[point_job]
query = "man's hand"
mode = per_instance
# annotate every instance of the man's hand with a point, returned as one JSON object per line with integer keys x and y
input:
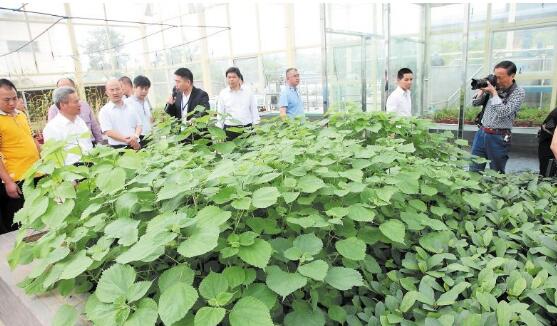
{"x": 135, "y": 145}
{"x": 490, "y": 89}
{"x": 12, "y": 189}
{"x": 171, "y": 100}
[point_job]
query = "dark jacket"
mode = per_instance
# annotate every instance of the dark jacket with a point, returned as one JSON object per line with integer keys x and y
{"x": 197, "y": 97}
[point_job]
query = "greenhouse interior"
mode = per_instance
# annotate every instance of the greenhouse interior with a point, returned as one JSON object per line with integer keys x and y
{"x": 254, "y": 163}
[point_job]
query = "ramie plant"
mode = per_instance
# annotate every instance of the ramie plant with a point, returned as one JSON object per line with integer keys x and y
{"x": 357, "y": 219}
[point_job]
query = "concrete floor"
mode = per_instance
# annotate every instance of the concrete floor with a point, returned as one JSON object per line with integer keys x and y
{"x": 520, "y": 160}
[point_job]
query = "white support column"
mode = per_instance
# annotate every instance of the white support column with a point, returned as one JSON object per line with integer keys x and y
{"x": 374, "y": 62}
{"x": 290, "y": 35}
{"x": 553, "y": 102}
{"x": 511, "y": 19}
{"x": 146, "y": 61}
{"x": 229, "y": 35}
{"x": 426, "y": 63}
{"x": 30, "y": 38}
{"x": 260, "y": 68}
{"x": 487, "y": 42}
{"x": 207, "y": 82}
{"x": 75, "y": 52}
{"x": 108, "y": 45}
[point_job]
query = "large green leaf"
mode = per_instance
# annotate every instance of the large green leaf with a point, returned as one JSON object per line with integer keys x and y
{"x": 212, "y": 285}
{"x": 212, "y": 216}
{"x": 436, "y": 242}
{"x": 66, "y": 315}
{"x": 351, "y": 248}
{"x": 57, "y": 213}
{"x": 262, "y": 292}
{"x": 201, "y": 240}
{"x": 209, "y": 316}
{"x": 249, "y": 311}
{"x": 176, "y": 301}
{"x": 449, "y": 297}
{"x": 504, "y": 314}
{"x": 308, "y": 244}
{"x": 76, "y": 265}
{"x": 146, "y": 314}
{"x": 115, "y": 282}
{"x": 265, "y": 197}
{"x": 310, "y": 184}
{"x": 258, "y": 254}
{"x": 360, "y": 213}
{"x": 316, "y": 270}
{"x": 283, "y": 283}
{"x": 343, "y": 278}
{"x": 111, "y": 181}
{"x": 179, "y": 273}
{"x": 124, "y": 229}
{"x": 148, "y": 248}
{"x": 394, "y": 230}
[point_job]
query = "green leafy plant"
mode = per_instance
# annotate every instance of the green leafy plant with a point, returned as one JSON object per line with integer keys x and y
{"x": 358, "y": 219}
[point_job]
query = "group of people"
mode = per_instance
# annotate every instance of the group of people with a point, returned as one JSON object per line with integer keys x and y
{"x": 126, "y": 120}
{"x": 500, "y": 104}
{"x": 123, "y": 122}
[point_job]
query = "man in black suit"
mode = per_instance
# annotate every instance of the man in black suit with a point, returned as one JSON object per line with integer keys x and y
{"x": 187, "y": 97}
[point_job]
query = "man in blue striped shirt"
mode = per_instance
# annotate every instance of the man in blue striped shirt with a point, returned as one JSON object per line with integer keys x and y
{"x": 290, "y": 101}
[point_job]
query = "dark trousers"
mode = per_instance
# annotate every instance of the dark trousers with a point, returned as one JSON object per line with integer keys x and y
{"x": 121, "y": 146}
{"x": 143, "y": 141}
{"x": 492, "y": 147}
{"x": 9, "y": 206}
{"x": 544, "y": 155}
{"x": 231, "y": 135}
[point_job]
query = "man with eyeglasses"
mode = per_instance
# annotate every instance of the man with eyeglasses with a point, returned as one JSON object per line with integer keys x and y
{"x": 18, "y": 152}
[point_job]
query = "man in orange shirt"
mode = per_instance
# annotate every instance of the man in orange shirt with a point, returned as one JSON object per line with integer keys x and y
{"x": 18, "y": 152}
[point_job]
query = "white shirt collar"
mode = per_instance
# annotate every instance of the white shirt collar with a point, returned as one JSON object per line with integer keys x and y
{"x": 240, "y": 89}
{"x": 63, "y": 119}
{"x": 112, "y": 105}
{"x": 405, "y": 92}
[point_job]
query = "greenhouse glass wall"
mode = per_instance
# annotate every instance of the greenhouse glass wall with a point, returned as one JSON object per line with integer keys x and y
{"x": 347, "y": 54}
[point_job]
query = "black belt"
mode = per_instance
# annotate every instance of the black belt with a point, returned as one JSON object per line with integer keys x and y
{"x": 238, "y": 126}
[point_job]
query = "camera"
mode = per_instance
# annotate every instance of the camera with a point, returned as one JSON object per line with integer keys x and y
{"x": 482, "y": 82}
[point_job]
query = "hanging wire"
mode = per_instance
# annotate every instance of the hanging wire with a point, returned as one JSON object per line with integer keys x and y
{"x": 108, "y": 20}
{"x": 168, "y": 26}
{"x": 32, "y": 40}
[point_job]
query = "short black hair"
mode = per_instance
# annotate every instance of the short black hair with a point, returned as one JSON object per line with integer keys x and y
{"x": 7, "y": 84}
{"x": 508, "y": 65}
{"x": 184, "y": 73}
{"x": 141, "y": 81}
{"x": 125, "y": 80}
{"x": 401, "y": 72}
{"x": 234, "y": 70}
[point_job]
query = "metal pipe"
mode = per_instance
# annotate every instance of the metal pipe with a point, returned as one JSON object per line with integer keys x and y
{"x": 465, "y": 36}
{"x": 387, "y": 34}
{"x": 324, "y": 58}
{"x": 363, "y": 73}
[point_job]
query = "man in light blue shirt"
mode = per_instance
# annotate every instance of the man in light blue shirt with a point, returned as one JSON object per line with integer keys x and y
{"x": 290, "y": 101}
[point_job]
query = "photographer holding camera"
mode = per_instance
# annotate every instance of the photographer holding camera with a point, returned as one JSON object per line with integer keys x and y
{"x": 501, "y": 99}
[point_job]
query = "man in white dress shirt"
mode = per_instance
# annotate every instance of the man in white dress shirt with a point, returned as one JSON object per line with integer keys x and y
{"x": 68, "y": 126}
{"x": 140, "y": 103}
{"x": 119, "y": 121}
{"x": 236, "y": 106}
{"x": 400, "y": 100}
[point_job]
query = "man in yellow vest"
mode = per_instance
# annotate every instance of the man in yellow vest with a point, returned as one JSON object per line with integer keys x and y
{"x": 18, "y": 152}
